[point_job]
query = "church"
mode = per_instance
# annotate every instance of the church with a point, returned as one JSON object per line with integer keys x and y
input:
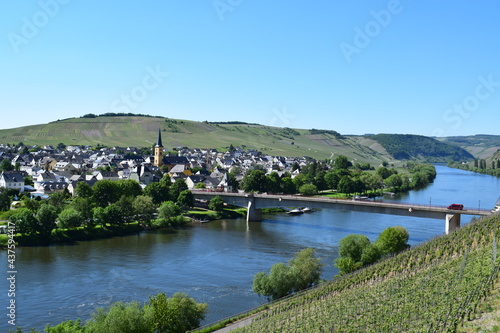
{"x": 167, "y": 162}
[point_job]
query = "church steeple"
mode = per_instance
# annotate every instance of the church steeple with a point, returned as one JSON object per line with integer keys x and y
{"x": 158, "y": 151}
{"x": 158, "y": 142}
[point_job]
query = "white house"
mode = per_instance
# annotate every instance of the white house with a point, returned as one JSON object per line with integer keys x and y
{"x": 12, "y": 180}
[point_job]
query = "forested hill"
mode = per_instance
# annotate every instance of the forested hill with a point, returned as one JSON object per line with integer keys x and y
{"x": 408, "y": 146}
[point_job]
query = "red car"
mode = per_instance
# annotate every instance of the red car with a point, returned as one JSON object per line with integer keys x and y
{"x": 456, "y": 206}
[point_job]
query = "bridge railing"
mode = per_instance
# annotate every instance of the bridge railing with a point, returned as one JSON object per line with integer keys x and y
{"x": 368, "y": 202}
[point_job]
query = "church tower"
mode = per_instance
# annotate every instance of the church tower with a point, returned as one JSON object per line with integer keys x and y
{"x": 158, "y": 151}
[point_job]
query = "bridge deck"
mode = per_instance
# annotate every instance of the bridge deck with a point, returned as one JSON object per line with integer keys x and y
{"x": 382, "y": 207}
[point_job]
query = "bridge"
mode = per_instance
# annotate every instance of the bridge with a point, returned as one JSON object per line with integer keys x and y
{"x": 255, "y": 202}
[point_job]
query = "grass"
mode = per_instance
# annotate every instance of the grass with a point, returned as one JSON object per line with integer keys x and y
{"x": 116, "y": 131}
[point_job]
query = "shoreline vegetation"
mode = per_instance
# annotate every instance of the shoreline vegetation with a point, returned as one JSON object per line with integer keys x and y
{"x": 117, "y": 208}
{"x": 479, "y": 166}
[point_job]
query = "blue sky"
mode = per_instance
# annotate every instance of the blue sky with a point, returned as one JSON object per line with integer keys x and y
{"x": 408, "y": 66}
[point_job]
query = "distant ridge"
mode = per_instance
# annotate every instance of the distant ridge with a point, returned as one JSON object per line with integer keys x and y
{"x": 137, "y": 130}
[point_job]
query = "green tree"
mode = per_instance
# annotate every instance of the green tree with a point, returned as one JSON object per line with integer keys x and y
{"x": 332, "y": 179}
{"x": 46, "y": 217}
{"x": 177, "y": 314}
{"x": 393, "y": 240}
{"x": 168, "y": 214}
{"x": 394, "y": 181}
{"x": 70, "y": 218}
{"x": 341, "y": 162}
{"x": 25, "y": 221}
{"x": 158, "y": 192}
{"x": 58, "y": 200}
{"x": 308, "y": 189}
{"x": 144, "y": 209}
{"x": 5, "y": 200}
{"x": 351, "y": 249}
{"x": 68, "y": 326}
{"x": 129, "y": 188}
{"x": 346, "y": 185}
{"x": 176, "y": 188}
{"x": 83, "y": 190}
{"x": 217, "y": 203}
{"x": 104, "y": 192}
{"x": 255, "y": 180}
{"x": 121, "y": 318}
{"x": 185, "y": 199}
{"x": 302, "y": 271}
{"x": 307, "y": 269}
{"x": 273, "y": 182}
{"x": 279, "y": 283}
{"x": 125, "y": 204}
{"x": 6, "y": 165}
{"x": 287, "y": 186}
{"x": 84, "y": 207}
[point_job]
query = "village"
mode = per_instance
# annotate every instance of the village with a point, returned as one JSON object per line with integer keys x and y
{"x": 60, "y": 169}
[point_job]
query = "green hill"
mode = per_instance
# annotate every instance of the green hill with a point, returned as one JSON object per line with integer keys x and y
{"x": 480, "y": 145}
{"x": 407, "y": 146}
{"x": 141, "y": 131}
{"x": 447, "y": 284}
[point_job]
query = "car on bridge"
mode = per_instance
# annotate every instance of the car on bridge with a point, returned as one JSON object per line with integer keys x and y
{"x": 456, "y": 206}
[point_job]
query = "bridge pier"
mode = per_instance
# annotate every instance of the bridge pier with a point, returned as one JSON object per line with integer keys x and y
{"x": 452, "y": 223}
{"x": 253, "y": 214}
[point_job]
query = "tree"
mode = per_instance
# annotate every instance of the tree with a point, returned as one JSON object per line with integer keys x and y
{"x": 302, "y": 271}
{"x": 273, "y": 182}
{"x": 308, "y": 189}
{"x": 121, "y": 317}
{"x": 185, "y": 199}
{"x": 168, "y": 214}
{"x": 279, "y": 283}
{"x": 144, "y": 209}
{"x": 125, "y": 204}
{"x": 177, "y": 314}
{"x": 341, "y": 162}
{"x": 217, "y": 203}
{"x": 6, "y": 165}
{"x": 176, "y": 188}
{"x": 25, "y": 221}
{"x": 332, "y": 179}
{"x": 158, "y": 192}
{"x": 352, "y": 250}
{"x": 70, "y": 218}
{"x": 346, "y": 185}
{"x": 104, "y": 192}
{"x": 393, "y": 240}
{"x": 255, "y": 180}
{"x": 306, "y": 268}
{"x": 394, "y": 181}
{"x": 83, "y": 190}
{"x": 5, "y": 200}
{"x": 287, "y": 186}
{"x": 46, "y": 217}
{"x": 57, "y": 200}
{"x": 129, "y": 188}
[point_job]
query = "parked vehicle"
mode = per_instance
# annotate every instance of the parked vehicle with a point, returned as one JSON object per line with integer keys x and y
{"x": 456, "y": 206}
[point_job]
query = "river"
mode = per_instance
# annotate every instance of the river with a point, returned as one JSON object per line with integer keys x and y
{"x": 213, "y": 262}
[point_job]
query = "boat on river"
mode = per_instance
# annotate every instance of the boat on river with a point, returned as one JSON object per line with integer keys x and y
{"x": 295, "y": 211}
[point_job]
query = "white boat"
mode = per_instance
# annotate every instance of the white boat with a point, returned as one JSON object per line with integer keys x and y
{"x": 307, "y": 210}
{"x": 295, "y": 211}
